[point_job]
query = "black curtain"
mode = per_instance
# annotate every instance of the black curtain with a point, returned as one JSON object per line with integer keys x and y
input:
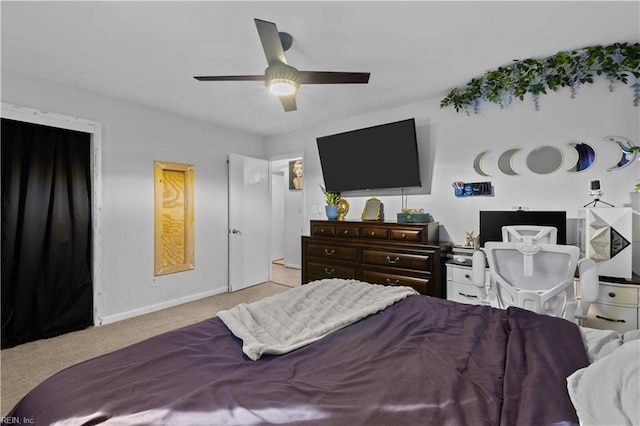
{"x": 46, "y": 232}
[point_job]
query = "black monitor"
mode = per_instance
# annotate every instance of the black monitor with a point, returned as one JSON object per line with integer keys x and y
{"x": 492, "y": 221}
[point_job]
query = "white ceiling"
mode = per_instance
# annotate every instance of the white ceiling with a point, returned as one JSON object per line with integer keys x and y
{"x": 148, "y": 52}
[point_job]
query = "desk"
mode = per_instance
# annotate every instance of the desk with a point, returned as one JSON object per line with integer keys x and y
{"x": 617, "y": 307}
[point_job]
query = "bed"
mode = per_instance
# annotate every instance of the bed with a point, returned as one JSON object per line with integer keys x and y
{"x": 420, "y": 360}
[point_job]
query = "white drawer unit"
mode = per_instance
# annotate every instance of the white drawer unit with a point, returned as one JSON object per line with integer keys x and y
{"x": 617, "y": 308}
{"x": 460, "y": 287}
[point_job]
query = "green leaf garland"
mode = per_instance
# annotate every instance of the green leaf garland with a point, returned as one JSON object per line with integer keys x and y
{"x": 618, "y": 62}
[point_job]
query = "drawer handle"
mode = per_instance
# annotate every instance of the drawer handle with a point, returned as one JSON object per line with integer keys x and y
{"x": 468, "y": 296}
{"x": 329, "y": 252}
{"x": 393, "y": 261}
{"x": 396, "y": 282}
{"x": 609, "y": 319}
{"x": 373, "y": 234}
{"x": 329, "y": 272}
{"x": 322, "y": 231}
{"x": 467, "y": 276}
{"x": 404, "y": 235}
{"x": 611, "y": 294}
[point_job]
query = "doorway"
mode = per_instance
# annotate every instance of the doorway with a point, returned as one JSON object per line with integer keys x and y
{"x": 93, "y": 132}
{"x": 287, "y": 201}
{"x": 46, "y": 232}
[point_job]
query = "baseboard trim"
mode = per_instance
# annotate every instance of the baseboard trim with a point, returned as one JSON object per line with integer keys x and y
{"x": 159, "y": 306}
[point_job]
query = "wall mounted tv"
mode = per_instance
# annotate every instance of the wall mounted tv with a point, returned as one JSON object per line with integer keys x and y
{"x": 492, "y": 221}
{"x": 383, "y": 156}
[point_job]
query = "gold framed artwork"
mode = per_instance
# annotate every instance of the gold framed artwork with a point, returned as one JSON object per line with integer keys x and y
{"x": 174, "y": 217}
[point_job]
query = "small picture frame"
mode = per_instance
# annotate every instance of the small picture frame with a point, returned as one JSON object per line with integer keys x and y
{"x": 295, "y": 174}
{"x": 372, "y": 210}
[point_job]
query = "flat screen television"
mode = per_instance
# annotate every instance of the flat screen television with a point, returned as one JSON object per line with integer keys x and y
{"x": 492, "y": 221}
{"x": 383, "y": 156}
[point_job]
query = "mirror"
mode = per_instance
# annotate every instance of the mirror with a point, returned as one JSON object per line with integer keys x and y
{"x": 342, "y": 206}
{"x": 625, "y": 156}
{"x": 505, "y": 162}
{"x": 544, "y": 160}
{"x": 372, "y": 209}
{"x": 585, "y": 157}
{"x": 477, "y": 164}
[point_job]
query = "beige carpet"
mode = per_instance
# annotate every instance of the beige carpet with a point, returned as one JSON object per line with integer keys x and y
{"x": 25, "y": 366}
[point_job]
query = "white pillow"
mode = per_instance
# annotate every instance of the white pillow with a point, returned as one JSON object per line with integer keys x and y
{"x": 600, "y": 343}
{"x": 607, "y": 392}
{"x": 631, "y": 335}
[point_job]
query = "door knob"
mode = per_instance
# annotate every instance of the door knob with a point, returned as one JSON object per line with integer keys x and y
{"x": 235, "y": 231}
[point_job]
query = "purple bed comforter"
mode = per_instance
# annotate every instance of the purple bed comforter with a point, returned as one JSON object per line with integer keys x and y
{"x": 421, "y": 361}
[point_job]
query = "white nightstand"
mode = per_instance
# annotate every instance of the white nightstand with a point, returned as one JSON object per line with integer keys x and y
{"x": 460, "y": 287}
{"x": 617, "y": 307}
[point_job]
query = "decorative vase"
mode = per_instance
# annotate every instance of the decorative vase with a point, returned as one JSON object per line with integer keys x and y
{"x": 332, "y": 212}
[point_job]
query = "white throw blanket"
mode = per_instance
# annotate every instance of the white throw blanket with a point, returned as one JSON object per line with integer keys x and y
{"x": 288, "y": 321}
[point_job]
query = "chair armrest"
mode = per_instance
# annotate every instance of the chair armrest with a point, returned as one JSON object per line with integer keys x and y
{"x": 589, "y": 285}
{"x": 479, "y": 265}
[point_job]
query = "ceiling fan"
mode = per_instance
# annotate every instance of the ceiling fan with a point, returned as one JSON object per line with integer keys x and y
{"x": 282, "y": 79}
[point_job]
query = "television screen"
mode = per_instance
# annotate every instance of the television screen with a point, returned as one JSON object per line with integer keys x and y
{"x": 492, "y": 221}
{"x": 384, "y": 156}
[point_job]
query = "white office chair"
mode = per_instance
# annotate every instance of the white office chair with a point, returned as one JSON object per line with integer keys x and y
{"x": 531, "y": 234}
{"x": 537, "y": 277}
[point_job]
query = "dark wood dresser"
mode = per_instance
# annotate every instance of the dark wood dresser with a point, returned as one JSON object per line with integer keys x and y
{"x": 389, "y": 253}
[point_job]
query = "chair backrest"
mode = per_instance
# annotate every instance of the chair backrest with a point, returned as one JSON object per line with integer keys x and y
{"x": 537, "y": 277}
{"x": 531, "y": 234}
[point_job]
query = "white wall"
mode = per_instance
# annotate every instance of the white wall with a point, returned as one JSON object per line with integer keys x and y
{"x": 278, "y": 183}
{"x": 292, "y": 223}
{"x": 286, "y": 214}
{"x": 455, "y": 139}
{"x": 133, "y": 137}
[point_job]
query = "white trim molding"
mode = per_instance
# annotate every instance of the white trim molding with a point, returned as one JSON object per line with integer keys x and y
{"x": 159, "y": 306}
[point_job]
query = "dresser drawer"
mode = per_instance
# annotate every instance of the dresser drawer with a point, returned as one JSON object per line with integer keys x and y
{"x": 465, "y": 275}
{"x": 412, "y": 235}
{"x": 331, "y": 270}
{"x": 375, "y": 233}
{"x": 462, "y": 275}
{"x": 377, "y": 277}
{"x": 463, "y": 293}
{"x": 398, "y": 260}
{"x": 611, "y": 317}
{"x": 322, "y": 229}
{"x": 347, "y": 231}
{"x": 332, "y": 252}
{"x": 618, "y": 295}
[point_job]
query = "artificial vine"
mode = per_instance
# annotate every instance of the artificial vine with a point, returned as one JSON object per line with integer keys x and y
{"x": 618, "y": 62}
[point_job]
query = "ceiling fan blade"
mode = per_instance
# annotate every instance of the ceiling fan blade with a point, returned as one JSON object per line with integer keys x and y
{"x": 231, "y": 78}
{"x": 289, "y": 102}
{"x": 330, "y": 77}
{"x": 271, "y": 43}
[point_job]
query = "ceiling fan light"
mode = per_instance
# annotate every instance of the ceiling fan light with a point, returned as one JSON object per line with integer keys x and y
{"x": 282, "y": 87}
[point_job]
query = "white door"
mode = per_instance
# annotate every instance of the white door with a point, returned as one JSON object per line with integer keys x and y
{"x": 249, "y": 211}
